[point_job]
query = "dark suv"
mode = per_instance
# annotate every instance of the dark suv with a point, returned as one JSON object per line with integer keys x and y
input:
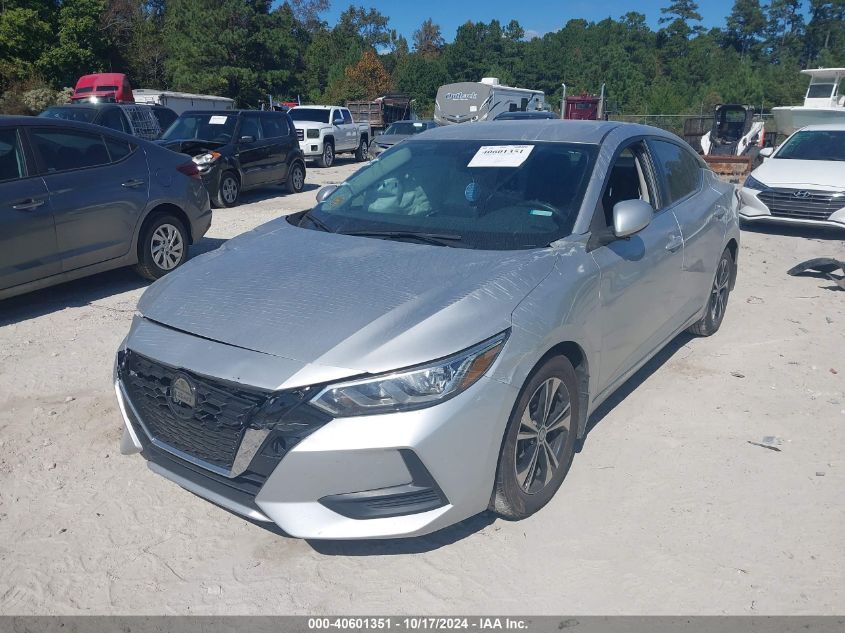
{"x": 136, "y": 119}
{"x": 237, "y": 150}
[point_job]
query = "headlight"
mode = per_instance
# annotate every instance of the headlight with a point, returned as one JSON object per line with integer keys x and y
{"x": 753, "y": 183}
{"x": 313, "y": 133}
{"x": 204, "y": 160}
{"x": 411, "y": 389}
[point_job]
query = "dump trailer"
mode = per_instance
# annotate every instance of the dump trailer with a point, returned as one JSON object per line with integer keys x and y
{"x": 382, "y": 112}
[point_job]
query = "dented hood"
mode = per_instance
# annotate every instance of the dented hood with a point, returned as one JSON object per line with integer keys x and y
{"x": 364, "y": 304}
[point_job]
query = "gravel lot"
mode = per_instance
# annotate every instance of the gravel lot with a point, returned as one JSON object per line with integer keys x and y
{"x": 669, "y": 508}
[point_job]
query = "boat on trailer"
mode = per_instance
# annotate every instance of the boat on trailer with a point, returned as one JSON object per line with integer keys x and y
{"x": 823, "y": 103}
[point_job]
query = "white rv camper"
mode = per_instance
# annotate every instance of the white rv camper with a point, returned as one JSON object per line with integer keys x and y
{"x": 181, "y": 102}
{"x": 482, "y": 101}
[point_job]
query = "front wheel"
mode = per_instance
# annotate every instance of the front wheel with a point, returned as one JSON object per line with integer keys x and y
{"x": 326, "y": 159}
{"x": 296, "y": 178}
{"x": 229, "y": 190}
{"x": 362, "y": 151}
{"x": 717, "y": 300}
{"x": 539, "y": 441}
{"x": 163, "y": 247}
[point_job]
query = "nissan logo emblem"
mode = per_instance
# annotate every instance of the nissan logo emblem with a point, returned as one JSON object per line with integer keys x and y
{"x": 801, "y": 194}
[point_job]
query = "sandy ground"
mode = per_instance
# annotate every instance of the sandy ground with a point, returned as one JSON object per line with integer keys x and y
{"x": 668, "y": 508}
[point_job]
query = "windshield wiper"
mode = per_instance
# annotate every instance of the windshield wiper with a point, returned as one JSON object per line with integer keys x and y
{"x": 439, "y": 239}
{"x": 313, "y": 219}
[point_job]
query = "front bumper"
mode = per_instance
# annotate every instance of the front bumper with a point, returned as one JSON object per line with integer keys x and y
{"x": 311, "y": 147}
{"x": 381, "y": 476}
{"x": 376, "y": 148}
{"x": 753, "y": 209}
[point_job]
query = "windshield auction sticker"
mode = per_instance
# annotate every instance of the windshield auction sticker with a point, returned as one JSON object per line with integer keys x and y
{"x": 217, "y": 120}
{"x": 500, "y": 155}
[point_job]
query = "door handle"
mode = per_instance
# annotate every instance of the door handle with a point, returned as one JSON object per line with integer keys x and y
{"x": 134, "y": 183}
{"x": 674, "y": 244}
{"x": 27, "y": 204}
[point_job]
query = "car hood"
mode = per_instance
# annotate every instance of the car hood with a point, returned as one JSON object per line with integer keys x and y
{"x": 776, "y": 172}
{"x": 390, "y": 139}
{"x": 364, "y": 304}
{"x": 310, "y": 125}
{"x": 191, "y": 147}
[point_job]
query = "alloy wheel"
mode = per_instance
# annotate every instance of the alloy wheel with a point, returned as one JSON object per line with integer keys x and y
{"x": 328, "y": 155}
{"x": 542, "y": 435}
{"x": 297, "y": 178}
{"x": 167, "y": 247}
{"x": 229, "y": 189}
{"x": 719, "y": 293}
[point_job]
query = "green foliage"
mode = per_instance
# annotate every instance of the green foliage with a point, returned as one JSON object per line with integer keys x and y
{"x": 248, "y": 49}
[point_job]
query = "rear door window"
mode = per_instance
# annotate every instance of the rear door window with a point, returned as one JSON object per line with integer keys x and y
{"x": 12, "y": 164}
{"x": 273, "y": 125}
{"x": 112, "y": 118}
{"x": 63, "y": 150}
{"x": 680, "y": 169}
{"x": 118, "y": 150}
{"x": 347, "y": 116}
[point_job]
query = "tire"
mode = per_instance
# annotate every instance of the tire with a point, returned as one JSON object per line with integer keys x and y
{"x": 363, "y": 150}
{"x": 162, "y": 246}
{"x": 326, "y": 159}
{"x": 296, "y": 178}
{"x": 229, "y": 190}
{"x": 526, "y": 478}
{"x": 717, "y": 300}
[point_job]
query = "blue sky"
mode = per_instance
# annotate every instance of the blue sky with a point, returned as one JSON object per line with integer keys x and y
{"x": 535, "y": 16}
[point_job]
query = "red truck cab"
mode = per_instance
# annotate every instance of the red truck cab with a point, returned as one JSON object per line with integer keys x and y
{"x": 103, "y": 87}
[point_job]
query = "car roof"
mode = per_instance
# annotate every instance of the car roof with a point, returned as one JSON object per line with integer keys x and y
{"x": 830, "y": 127}
{"x": 554, "y": 130}
{"x": 65, "y": 123}
{"x": 230, "y": 112}
{"x": 315, "y": 107}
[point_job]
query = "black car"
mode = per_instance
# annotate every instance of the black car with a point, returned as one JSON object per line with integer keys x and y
{"x": 238, "y": 150}
{"x": 136, "y": 119}
{"x": 519, "y": 115}
{"x": 77, "y": 199}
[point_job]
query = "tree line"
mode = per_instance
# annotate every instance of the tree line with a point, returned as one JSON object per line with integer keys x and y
{"x": 249, "y": 49}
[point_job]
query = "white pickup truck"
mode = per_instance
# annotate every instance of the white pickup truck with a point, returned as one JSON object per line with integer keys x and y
{"x": 325, "y": 131}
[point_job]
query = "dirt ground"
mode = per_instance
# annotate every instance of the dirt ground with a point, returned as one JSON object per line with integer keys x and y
{"x": 671, "y": 507}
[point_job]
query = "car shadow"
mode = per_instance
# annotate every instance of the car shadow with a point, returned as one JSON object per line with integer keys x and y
{"x": 630, "y": 385}
{"x": 792, "y": 230}
{"x": 270, "y": 192}
{"x": 84, "y": 291}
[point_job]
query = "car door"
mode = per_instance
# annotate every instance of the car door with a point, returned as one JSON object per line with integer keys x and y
{"x": 699, "y": 217}
{"x": 275, "y": 130}
{"x": 640, "y": 275}
{"x": 351, "y": 129}
{"x": 98, "y": 186}
{"x": 341, "y": 133}
{"x": 28, "y": 250}
{"x": 253, "y": 151}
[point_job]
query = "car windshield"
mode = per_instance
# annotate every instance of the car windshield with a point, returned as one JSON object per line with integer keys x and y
{"x": 318, "y": 115}
{"x": 814, "y": 145}
{"x": 84, "y": 115}
{"x": 470, "y": 194}
{"x": 218, "y": 128}
{"x": 406, "y": 128}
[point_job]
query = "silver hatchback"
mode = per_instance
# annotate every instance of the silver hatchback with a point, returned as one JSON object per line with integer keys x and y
{"x": 429, "y": 340}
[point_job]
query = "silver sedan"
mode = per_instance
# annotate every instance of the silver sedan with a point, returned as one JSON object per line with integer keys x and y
{"x": 429, "y": 340}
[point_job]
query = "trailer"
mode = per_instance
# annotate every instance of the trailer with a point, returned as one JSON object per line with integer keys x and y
{"x": 382, "y": 112}
{"x": 181, "y": 102}
{"x": 471, "y": 101}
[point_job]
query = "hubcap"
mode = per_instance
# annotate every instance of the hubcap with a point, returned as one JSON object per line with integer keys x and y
{"x": 719, "y": 294}
{"x": 543, "y": 432}
{"x": 298, "y": 180}
{"x": 167, "y": 247}
{"x": 229, "y": 189}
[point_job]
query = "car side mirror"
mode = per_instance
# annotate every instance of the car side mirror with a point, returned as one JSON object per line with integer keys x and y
{"x": 247, "y": 139}
{"x": 325, "y": 192}
{"x": 631, "y": 216}
{"x": 767, "y": 151}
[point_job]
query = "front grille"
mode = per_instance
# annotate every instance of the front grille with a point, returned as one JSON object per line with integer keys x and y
{"x": 816, "y": 205}
{"x": 300, "y": 135}
{"x": 211, "y": 431}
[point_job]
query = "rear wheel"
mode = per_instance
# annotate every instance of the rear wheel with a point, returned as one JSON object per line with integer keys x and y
{"x": 163, "y": 247}
{"x": 296, "y": 178}
{"x": 326, "y": 159}
{"x": 363, "y": 150}
{"x": 539, "y": 442}
{"x": 717, "y": 301}
{"x": 229, "y": 190}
